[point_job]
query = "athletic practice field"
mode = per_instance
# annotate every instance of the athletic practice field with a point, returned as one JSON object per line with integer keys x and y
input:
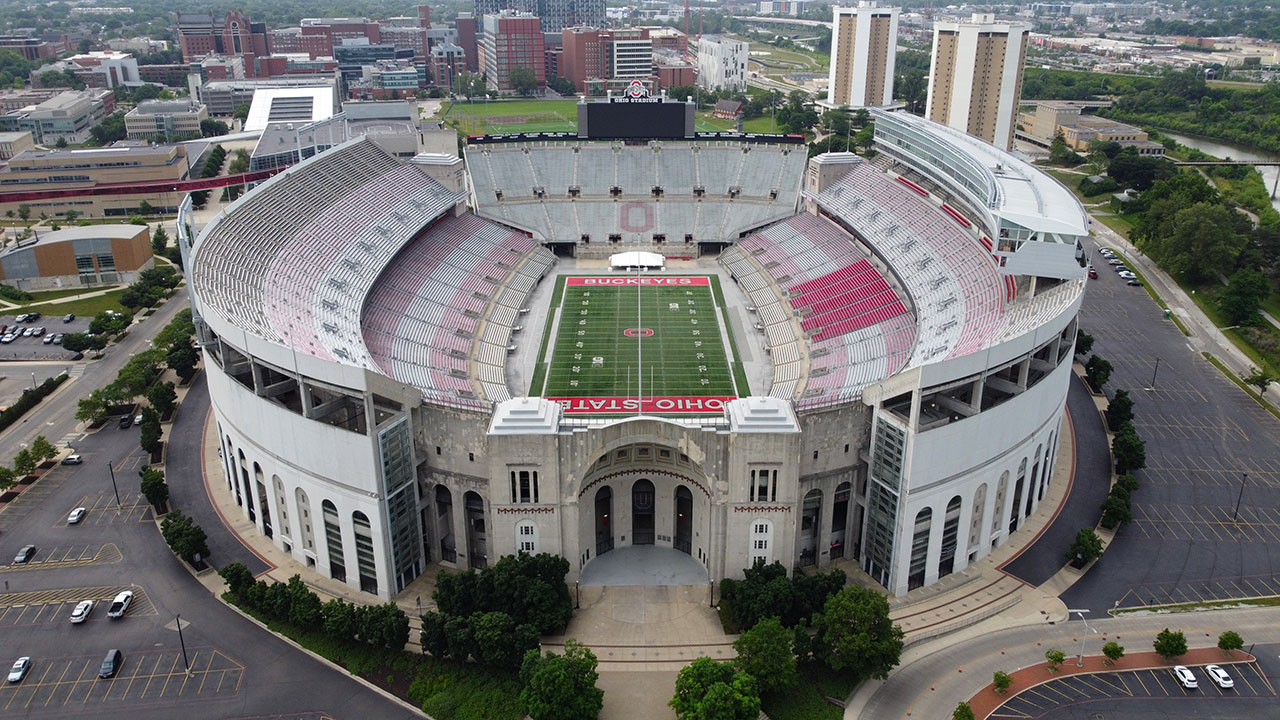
{"x": 622, "y": 343}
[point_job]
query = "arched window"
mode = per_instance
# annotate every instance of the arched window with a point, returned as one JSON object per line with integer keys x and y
{"x": 304, "y": 517}
{"x": 919, "y": 548}
{"x": 333, "y": 541}
{"x": 527, "y": 537}
{"x": 277, "y": 486}
{"x": 365, "y": 562}
{"x": 1036, "y": 480}
{"x": 950, "y": 537}
{"x": 976, "y": 513}
{"x": 761, "y": 541}
{"x": 1001, "y": 491}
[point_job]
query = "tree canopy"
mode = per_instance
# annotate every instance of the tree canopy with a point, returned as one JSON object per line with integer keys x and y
{"x": 561, "y": 687}
{"x": 710, "y": 690}
{"x": 855, "y": 634}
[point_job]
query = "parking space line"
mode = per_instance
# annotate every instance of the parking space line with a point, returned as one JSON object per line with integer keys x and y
{"x": 1156, "y": 681}
{"x": 54, "y": 691}
{"x": 39, "y": 683}
{"x": 169, "y": 677}
{"x": 71, "y": 690}
{"x": 1261, "y": 676}
{"x": 1052, "y": 687}
{"x": 151, "y": 676}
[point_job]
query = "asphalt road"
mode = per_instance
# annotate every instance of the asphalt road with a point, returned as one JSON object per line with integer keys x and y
{"x": 1082, "y": 508}
{"x": 237, "y": 669}
{"x": 55, "y": 416}
{"x": 1202, "y": 435}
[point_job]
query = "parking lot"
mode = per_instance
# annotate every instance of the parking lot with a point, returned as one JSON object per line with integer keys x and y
{"x": 1205, "y": 440}
{"x": 69, "y": 556}
{"x": 24, "y": 347}
{"x": 146, "y": 676}
{"x": 101, "y": 509}
{"x": 1116, "y": 690}
{"x": 54, "y": 606}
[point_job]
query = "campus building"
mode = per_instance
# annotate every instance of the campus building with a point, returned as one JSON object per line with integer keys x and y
{"x": 511, "y": 40}
{"x": 722, "y": 63}
{"x": 172, "y": 120}
{"x": 976, "y": 77}
{"x": 233, "y": 34}
{"x": 864, "y": 45}
{"x": 75, "y": 256}
{"x": 55, "y": 181}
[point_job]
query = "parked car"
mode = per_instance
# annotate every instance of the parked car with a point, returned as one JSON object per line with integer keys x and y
{"x": 28, "y": 332}
{"x": 120, "y": 604}
{"x": 1185, "y": 677}
{"x": 111, "y": 664}
{"x": 24, "y": 555}
{"x": 82, "y": 611}
{"x": 76, "y": 515}
{"x": 1135, "y": 282}
{"x": 7, "y": 338}
{"x": 1219, "y": 676}
{"x": 1115, "y": 261}
{"x": 75, "y": 459}
{"x": 126, "y": 422}
{"x": 21, "y": 318}
{"x": 57, "y": 338}
{"x": 68, "y": 317}
{"x": 20, "y": 668}
{"x": 1127, "y": 275}
{"x": 48, "y": 339}
{"x": 137, "y": 419}
{"x": 32, "y": 317}
{"x": 39, "y": 332}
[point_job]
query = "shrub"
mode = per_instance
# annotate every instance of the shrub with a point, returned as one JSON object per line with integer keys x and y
{"x": 1098, "y": 371}
{"x": 1086, "y": 548}
{"x": 1001, "y": 680}
{"x": 1113, "y": 652}
{"x": 1230, "y": 640}
{"x": 1170, "y": 644}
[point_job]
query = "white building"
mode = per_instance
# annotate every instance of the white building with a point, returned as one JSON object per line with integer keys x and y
{"x": 632, "y": 55}
{"x": 168, "y": 119}
{"x": 864, "y": 44}
{"x": 976, "y": 77}
{"x": 722, "y": 63}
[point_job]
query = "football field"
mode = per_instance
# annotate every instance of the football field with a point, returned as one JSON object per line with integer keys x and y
{"x": 622, "y": 344}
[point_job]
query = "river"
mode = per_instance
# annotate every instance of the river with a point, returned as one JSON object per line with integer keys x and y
{"x": 1224, "y": 149}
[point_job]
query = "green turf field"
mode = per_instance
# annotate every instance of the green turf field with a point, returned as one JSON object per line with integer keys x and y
{"x": 678, "y": 351}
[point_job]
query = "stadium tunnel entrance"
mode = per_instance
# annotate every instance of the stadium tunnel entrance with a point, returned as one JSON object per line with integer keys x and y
{"x": 645, "y": 520}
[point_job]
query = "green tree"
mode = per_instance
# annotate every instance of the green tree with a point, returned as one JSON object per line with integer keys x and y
{"x": 1061, "y": 154}
{"x": 854, "y": 633}
{"x": 8, "y": 478}
{"x": 24, "y": 212}
{"x": 1086, "y": 548}
{"x": 1113, "y": 652}
{"x": 79, "y": 342}
{"x": 241, "y": 112}
{"x": 865, "y": 138}
{"x": 150, "y": 432}
{"x": 1199, "y": 243}
{"x": 1260, "y": 379}
{"x": 163, "y": 398}
{"x": 710, "y": 690}
{"x": 1120, "y": 409}
{"x": 962, "y": 712}
{"x": 1230, "y": 640}
{"x": 154, "y": 488}
{"x": 1084, "y": 342}
{"x": 42, "y": 449}
{"x": 184, "y": 536}
{"x": 92, "y": 408}
{"x": 766, "y": 653}
{"x": 1054, "y": 657}
{"x": 339, "y": 620}
{"x": 305, "y": 608}
{"x": 1098, "y": 372}
{"x": 1128, "y": 450}
{"x": 182, "y": 359}
{"x": 1244, "y": 295}
{"x": 1002, "y": 681}
{"x": 239, "y": 578}
{"x": 561, "y": 687}
{"x": 24, "y": 463}
{"x": 524, "y": 81}
{"x": 498, "y": 641}
{"x": 836, "y": 122}
{"x": 1115, "y": 510}
{"x": 213, "y": 128}
{"x": 432, "y": 636}
{"x": 1170, "y": 644}
{"x": 159, "y": 240}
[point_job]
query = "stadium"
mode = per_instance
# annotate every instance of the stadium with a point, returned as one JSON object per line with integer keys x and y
{"x": 698, "y": 345}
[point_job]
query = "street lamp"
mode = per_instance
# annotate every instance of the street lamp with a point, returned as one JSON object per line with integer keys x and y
{"x": 1153, "y": 375}
{"x": 1236, "y": 515}
{"x": 185, "y": 663}
{"x": 113, "y": 483}
{"x": 1083, "y": 635}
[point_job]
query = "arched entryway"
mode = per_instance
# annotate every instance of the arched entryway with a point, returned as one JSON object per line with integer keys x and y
{"x": 839, "y": 519}
{"x": 642, "y": 497}
{"x": 604, "y": 520}
{"x": 477, "y": 534}
{"x": 684, "y": 520}
{"x": 444, "y": 524}
{"x": 810, "y": 519}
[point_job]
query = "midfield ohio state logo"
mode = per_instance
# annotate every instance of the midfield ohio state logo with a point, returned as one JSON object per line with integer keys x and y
{"x": 637, "y": 90}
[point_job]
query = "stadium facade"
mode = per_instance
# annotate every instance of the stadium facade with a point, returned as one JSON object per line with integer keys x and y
{"x": 367, "y": 332}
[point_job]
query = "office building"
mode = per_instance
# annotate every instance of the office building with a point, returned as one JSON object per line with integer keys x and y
{"x": 68, "y": 116}
{"x": 233, "y": 34}
{"x": 467, "y": 31}
{"x": 977, "y": 77}
{"x": 447, "y": 61}
{"x": 864, "y": 43}
{"x": 722, "y": 63}
{"x": 12, "y": 143}
{"x": 511, "y": 40}
{"x": 555, "y": 15}
{"x": 99, "y": 69}
{"x": 37, "y": 175}
{"x": 165, "y": 120}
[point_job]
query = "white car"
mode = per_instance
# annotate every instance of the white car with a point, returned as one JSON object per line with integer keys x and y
{"x": 1185, "y": 677}
{"x": 76, "y": 515}
{"x": 1219, "y": 676}
{"x": 120, "y": 604}
{"x": 82, "y": 611}
{"x": 19, "y": 669}
{"x": 1127, "y": 275}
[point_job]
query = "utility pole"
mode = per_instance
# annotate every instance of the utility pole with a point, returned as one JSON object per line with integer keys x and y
{"x": 1236, "y": 514}
{"x": 113, "y": 483}
{"x": 185, "y": 663}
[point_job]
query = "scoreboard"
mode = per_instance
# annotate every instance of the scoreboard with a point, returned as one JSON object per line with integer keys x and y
{"x": 635, "y": 116}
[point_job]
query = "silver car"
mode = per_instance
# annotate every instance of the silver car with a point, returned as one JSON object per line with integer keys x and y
{"x": 82, "y": 611}
{"x": 19, "y": 670}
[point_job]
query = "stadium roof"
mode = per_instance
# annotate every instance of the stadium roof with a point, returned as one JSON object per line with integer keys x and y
{"x": 292, "y": 104}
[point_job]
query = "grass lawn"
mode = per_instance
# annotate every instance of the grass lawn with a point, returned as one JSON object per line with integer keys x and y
{"x": 806, "y": 701}
{"x": 675, "y": 347}
{"x": 87, "y": 307}
{"x": 504, "y": 116}
{"x": 706, "y": 123}
{"x": 785, "y": 61}
{"x": 42, "y": 296}
{"x": 1119, "y": 223}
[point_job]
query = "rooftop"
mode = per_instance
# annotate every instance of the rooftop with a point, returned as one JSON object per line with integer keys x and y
{"x": 166, "y": 107}
{"x": 283, "y": 104}
{"x": 122, "y": 231}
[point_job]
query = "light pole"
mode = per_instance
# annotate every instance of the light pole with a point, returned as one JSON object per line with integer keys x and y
{"x": 1244, "y": 477}
{"x": 1083, "y": 635}
{"x": 1153, "y": 374}
{"x": 185, "y": 663}
{"x": 113, "y": 483}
